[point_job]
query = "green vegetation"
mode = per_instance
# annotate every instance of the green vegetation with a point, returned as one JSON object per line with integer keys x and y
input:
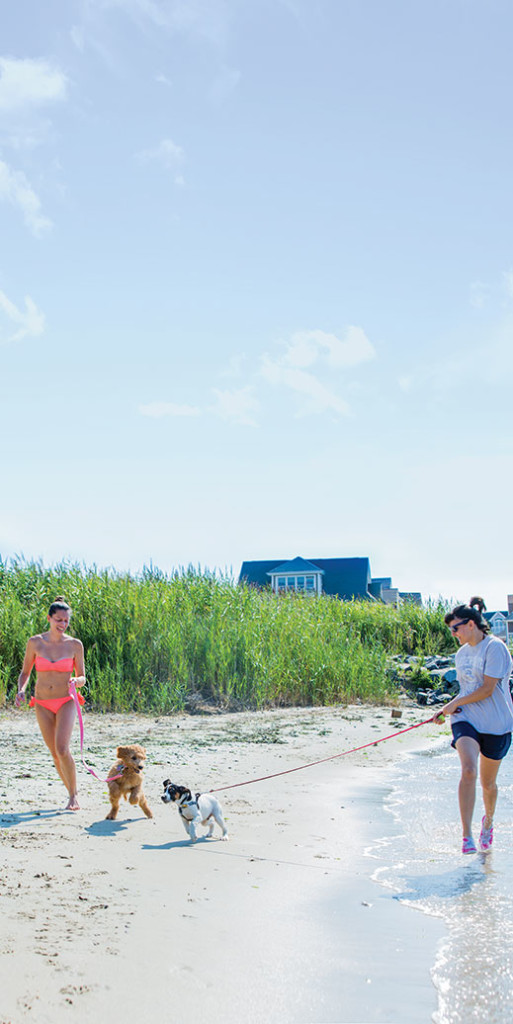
{"x": 156, "y": 643}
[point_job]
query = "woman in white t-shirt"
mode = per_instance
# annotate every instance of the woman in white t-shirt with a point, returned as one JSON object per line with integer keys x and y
{"x": 481, "y": 715}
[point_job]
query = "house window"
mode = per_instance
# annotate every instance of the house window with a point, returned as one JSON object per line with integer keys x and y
{"x": 499, "y": 627}
{"x": 296, "y": 583}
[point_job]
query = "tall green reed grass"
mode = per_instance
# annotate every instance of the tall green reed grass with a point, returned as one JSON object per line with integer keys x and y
{"x": 153, "y": 641}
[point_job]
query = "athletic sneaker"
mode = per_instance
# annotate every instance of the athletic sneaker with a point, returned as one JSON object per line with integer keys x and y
{"x": 486, "y": 838}
{"x": 468, "y": 845}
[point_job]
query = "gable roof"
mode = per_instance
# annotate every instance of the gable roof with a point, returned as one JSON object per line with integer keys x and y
{"x": 296, "y": 565}
{"x": 343, "y": 577}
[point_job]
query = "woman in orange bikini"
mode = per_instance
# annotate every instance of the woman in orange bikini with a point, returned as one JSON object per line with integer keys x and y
{"x": 55, "y": 656}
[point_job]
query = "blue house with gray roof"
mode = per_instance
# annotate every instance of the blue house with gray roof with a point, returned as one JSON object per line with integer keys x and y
{"x": 346, "y": 578}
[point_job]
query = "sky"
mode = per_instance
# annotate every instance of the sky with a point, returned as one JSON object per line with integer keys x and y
{"x": 256, "y": 286}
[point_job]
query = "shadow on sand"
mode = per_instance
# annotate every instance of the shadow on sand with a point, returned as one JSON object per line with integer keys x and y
{"x": 104, "y": 827}
{"x": 7, "y": 820}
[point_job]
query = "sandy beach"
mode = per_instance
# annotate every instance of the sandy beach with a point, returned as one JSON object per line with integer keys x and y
{"x": 283, "y": 923}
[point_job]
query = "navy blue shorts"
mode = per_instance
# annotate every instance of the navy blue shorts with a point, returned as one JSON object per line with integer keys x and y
{"x": 494, "y": 747}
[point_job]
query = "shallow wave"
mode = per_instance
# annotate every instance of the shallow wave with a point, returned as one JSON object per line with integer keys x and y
{"x": 421, "y": 865}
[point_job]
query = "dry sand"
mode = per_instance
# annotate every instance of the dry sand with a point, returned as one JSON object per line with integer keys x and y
{"x": 282, "y": 924}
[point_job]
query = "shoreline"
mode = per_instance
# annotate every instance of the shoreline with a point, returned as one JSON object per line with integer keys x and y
{"x": 281, "y": 924}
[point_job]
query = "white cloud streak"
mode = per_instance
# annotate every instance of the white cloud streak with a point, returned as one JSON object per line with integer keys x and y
{"x": 168, "y": 154}
{"x": 207, "y": 18}
{"x": 17, "y": 190}
{"x": 308, "y": 349}
{"x": 237, "y": 406}
{"x": 30, "y": 322}
{"x": 27, "y": 83}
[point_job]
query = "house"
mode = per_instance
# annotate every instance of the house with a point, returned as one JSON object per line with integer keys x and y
{"x": 501, "y": 623}
{"x": 345, "y": 578}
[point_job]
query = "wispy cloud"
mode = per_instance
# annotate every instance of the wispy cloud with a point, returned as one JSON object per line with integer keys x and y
{"x": 306, "y": 350}
{"x": 168, "y": 154}
{"x": 17, "y": 190}
{"x": 27, "y": 82}
{"x": 291, "y": 371}
{"x": 496, "y": 293}
{"x": 29, "y": 322}
{"x": 164, "y": 80}
{"x": 318, "y": 397}
{"x": 157, "y": 410}
{"x": 308, "y": 347}
{"x": 238, "y": 405}
{"x": 207, "y": 18}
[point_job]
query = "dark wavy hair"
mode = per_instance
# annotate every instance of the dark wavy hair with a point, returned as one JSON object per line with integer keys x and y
{"x": 59, "y": 605}
{"x": 471, "y": 611}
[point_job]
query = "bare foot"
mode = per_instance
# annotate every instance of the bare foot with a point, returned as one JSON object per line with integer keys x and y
{"x": 73, "y": 804}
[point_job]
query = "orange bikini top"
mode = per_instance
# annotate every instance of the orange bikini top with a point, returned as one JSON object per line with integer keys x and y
{"x": 62, "y": 665}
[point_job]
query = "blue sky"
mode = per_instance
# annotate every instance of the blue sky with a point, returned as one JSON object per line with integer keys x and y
{"x": 256, "y": 285}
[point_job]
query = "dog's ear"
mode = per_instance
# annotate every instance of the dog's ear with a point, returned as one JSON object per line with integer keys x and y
{"x": 166, "y": 783}
{"x": 186, "y": 793}
{"x": 122, "y": 752}
{"x": 140, "y": 751}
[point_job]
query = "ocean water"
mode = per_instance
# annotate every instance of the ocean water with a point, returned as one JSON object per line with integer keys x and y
{"x": 421, "y": 865}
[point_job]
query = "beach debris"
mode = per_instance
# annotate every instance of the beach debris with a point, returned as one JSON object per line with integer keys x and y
{"x": 396, "y": 713}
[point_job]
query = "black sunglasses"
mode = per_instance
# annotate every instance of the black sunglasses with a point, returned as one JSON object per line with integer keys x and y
{"x": 455, "y": 627}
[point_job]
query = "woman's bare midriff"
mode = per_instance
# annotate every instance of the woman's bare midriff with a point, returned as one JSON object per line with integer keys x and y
{"x": 52, "y": 684}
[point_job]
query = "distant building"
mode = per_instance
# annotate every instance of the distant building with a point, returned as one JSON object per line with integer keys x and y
{"x": 501, "y": 623}
{"x": 345, "y": 578}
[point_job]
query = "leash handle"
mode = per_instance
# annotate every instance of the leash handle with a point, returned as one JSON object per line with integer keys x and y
{"x": 288, "y": 771}
{"x": 73, "y": 693}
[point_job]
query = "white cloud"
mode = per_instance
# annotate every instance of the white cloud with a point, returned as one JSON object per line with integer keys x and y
{"x": 168, "y": 154}
{"x": 159, "y": 409}
{"x": 308, "y": 347}
{"x": 319, "y": 397}
{"x": 30, "y": 321}
{"x": 16, "y": 189}
{"x": 78, "y": 37}
{"x": 26, "y": 82}
{"x": 237, "y": 405}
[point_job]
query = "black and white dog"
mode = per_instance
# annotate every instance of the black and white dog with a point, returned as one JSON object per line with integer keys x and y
{"x": 199, "y": 811}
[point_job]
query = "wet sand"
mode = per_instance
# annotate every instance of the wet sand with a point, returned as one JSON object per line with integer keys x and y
{"x": 281, "y": 924}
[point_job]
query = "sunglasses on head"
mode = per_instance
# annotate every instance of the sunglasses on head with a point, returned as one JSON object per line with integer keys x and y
{"x": 454, "y": 627}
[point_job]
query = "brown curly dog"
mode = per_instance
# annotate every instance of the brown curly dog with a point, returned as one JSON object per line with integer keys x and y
{"x": 129, "y": 765}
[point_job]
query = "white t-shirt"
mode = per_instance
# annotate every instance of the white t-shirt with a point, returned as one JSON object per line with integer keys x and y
{"x": 490, "y": 657}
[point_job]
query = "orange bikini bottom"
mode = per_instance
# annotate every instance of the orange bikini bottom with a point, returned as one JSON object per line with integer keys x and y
{"x": 55, "y": 702}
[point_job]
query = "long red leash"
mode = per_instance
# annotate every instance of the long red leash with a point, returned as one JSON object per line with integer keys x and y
{"x": 73, "y": 693}
{"x": 373, "y": 743}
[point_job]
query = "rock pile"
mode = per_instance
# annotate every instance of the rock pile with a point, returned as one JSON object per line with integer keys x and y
{"x": 429, "y": 680}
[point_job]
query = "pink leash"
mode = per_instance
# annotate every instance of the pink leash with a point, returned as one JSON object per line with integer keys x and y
{"x": 73, "y": 693}
{"x": 373, "y": 743}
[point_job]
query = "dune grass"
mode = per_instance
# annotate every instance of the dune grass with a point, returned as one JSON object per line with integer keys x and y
{"x": 153, "y": 642}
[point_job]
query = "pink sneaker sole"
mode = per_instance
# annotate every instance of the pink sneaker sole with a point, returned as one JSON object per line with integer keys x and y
{"x": 486, "y": 838}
